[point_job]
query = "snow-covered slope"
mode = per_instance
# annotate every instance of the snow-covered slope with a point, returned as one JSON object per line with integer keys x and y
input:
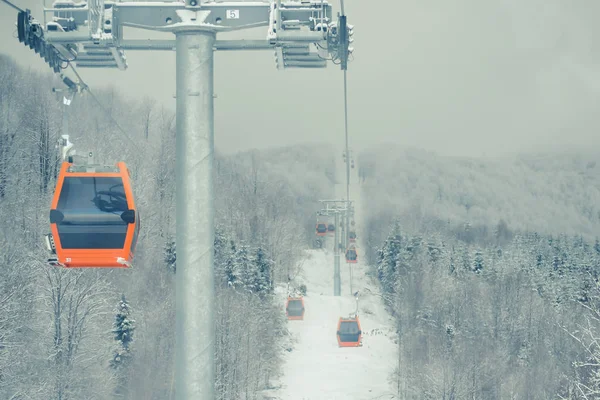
{"x": 316, "y": 368}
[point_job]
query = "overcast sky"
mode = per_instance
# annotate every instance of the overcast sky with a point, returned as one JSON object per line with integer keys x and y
{"x": 460, "y": 77}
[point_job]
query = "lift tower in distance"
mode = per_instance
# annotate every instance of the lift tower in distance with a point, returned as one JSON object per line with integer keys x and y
{"x": 303, "y": 34}
{"x": 337, "y": 209}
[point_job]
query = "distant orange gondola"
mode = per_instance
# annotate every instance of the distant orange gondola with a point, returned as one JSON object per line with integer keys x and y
{"x": 321, "y": 229}
{"x": 294, "y": 308}
{"x": 331, "y": 228}
{"x": 352, "y": 236}
{"x": 351, "y": 256}
{"x": 93, "y": 219}
{"x": 349, "y": 333}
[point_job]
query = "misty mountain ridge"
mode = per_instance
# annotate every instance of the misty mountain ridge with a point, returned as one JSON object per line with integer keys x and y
{"x": 551, "y": 193}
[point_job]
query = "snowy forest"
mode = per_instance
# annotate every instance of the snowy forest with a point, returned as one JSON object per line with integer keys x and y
{"x": 103, "y": 334}
{"x": 484, "y": 308}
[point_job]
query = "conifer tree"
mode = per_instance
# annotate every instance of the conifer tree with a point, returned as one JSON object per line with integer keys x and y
{"x": 223, "y": 257}
{"x": 388, "y": 259}
{"x": 478, "y": 262}
{"x": 243, "y": 270}
{"x": 433, "y": 251}
{"x": 123, "y": 330}
{"x": 264, "y": 266}
{"x": 229, "y": 267}
{"x": 171, "y": 255}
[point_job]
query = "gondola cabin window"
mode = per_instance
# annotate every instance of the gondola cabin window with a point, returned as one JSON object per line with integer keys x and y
{"x": 349, "y": 332}
{"x": 91, "y": 211}
{"x": 351, "y": 255}
{"x": 295, "y": 308}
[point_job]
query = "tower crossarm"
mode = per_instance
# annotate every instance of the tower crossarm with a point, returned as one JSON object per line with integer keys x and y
{"x": 92, "y": 33}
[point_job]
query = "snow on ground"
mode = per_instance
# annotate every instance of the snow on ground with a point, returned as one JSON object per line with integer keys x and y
{"x": 316, "y": 368}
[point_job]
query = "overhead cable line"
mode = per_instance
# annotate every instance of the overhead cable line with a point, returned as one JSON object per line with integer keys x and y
{"x": 84, "y": 86}
{"x": 13, "y": 6}
{"x": 346, "y": 33}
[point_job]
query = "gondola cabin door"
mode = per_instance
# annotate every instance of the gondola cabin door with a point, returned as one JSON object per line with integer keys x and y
{"x": 294, "y": 308}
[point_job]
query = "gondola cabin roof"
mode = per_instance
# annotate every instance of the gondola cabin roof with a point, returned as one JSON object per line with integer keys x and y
{"x": 349, "y": 333}
{"x": 93, "y": 219}
{"x": 294, "y": 308}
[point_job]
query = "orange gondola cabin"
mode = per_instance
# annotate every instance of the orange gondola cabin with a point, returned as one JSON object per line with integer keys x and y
{"x": 321, "y": 229}
{"x": 351, "y": 256}
{"x": 93, "y": 219}
{"x": 352, "y": 237}
{"x": 331, "y": 228}
{"x": 349, "y": 333}
{"x": 294, "y": 308}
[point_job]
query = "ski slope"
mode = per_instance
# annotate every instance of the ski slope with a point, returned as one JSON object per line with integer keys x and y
{"x": 316, "y": 368}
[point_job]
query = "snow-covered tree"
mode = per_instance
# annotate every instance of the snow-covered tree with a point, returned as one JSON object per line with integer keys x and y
{"x": 478, "y": 262}
{"x": 263, "y": 277}
{"x": 244, "y": 267}
{"x": 171, "y": 255}
{"x": 229, "y": 267}
{"x": 388, "y": 259}
{"x": 123, "y": 329}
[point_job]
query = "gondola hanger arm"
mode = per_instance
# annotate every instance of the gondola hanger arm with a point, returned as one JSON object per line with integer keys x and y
{"x": 67, "y": 147}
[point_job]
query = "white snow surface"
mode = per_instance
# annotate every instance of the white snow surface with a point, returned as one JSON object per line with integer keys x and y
{"x": 316, "y": 368}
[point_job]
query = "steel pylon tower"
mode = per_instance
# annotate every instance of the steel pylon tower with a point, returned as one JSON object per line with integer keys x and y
{"x": 90, "y": 34}
{"x": 337, "y": 209}
{"x": 346, "y": 33}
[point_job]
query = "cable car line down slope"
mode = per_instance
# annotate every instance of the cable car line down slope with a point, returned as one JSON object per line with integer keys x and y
{"x": 317, "y": 368}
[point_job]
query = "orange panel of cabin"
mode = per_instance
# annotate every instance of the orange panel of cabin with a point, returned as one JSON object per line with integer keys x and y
{"x": 294, "y": 308}
{"x": 93, "y": 218}
{"x": 349, "y": 333}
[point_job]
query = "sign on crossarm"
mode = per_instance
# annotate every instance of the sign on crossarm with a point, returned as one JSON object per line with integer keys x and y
{"x": 233, "y": 14}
